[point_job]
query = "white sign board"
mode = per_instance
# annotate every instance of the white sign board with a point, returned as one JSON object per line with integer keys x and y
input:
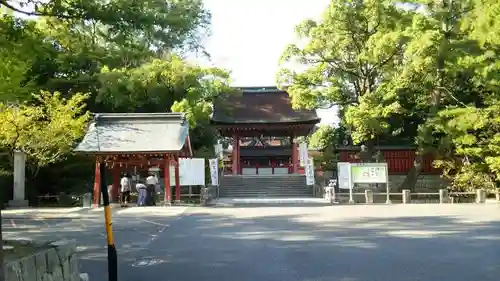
{"x": 303, "y": 154}
{"x": 343, "y": 174}
{"x": 214, "y": 171}
{"x": 309, "y": 170}
{"x": 191, "y": 172}
{"x": 369, "y": 173}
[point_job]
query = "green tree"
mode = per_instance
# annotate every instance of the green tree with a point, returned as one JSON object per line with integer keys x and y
{"x": 327, "y": 139}
{"x": 162, "y": 24}
{"x": 46, "y": 131}
{"x": 169, "y": 84}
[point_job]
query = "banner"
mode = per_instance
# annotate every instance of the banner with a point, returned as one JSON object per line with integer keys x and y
{"x": 214, "y": 171}
{"x": 303, "y": 154}
{"x": 309, "y": 170}
{"x": 218, "y": 150}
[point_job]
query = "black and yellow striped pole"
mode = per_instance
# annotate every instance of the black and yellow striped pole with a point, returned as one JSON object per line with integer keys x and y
{"x": 112, "y": 254}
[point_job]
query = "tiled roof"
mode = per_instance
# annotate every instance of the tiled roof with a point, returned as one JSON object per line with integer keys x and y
{"x": 135, "y": 132}
{"x": 260, "y": 105}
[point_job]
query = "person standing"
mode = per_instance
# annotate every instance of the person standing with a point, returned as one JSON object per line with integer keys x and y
{"x": 151, "y": 183}
{"x": 125, "y": 190}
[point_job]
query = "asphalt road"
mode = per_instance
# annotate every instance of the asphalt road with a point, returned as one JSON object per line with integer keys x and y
{"x": 355, "y": 243}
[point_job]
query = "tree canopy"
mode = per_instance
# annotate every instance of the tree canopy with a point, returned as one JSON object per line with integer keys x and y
{"x": 62, "y": 58}
{"x": 425, "y": 71}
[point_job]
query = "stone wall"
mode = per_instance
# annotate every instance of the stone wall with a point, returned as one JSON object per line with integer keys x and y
{"x": 56, "y": 263}
{"x": 425, "y": 183}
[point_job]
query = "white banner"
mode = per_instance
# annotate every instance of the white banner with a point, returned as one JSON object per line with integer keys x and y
{"x": 309, "y": 170}
{"x": 218, "y": 150}
{"x": 214, "y": 171}
{"x": 303, "y": 154}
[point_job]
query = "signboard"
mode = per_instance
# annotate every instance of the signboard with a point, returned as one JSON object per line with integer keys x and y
{"x": 369, "y": 173}
{"x": 309, "y": 170}
{"x": 191, "y": 172}
{"x": 343, "y": 173}
{"x": 303, "y": 154}
{"x": 214, "y": 171}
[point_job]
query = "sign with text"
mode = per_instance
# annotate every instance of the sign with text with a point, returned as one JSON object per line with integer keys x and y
{"x": 309, "y": 170}
{"x": 214, "y": 171}
{"x": 303, "y": 154}
{"x": 369, "y": 173}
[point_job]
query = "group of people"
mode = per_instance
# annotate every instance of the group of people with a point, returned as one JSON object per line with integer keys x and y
{"x": 147, "y": 190}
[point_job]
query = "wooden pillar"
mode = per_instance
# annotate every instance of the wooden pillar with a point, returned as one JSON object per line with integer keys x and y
{"x": 177, "y": 180}
{"x": 97, "y": 184}
{"x": 295, "y": 157}
{"x": 234, "y": 154}
{"x": 238, "y": 159}
{"x": 166, "y": 179}
{"x": 116, "y": 182}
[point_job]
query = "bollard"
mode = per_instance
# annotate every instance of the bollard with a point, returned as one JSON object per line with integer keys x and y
{"x": 480, "y": 196}
{"x": 369, "y": 196}
{"x": 406, "y": 196}
{"x": 443, "y": 196}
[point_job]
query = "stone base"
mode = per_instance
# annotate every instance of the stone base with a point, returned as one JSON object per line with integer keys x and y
{"x": 18, "y": 203}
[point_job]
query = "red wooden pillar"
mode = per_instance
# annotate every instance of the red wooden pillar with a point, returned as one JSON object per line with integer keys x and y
{"x": 295, "y": 157}
{"x": 97, "y": 184}
{"x": 236, "y": 154}
{"x": 116, "y": 182}
{"x": 177, "y": 180}
{"x": 166, "y": 179}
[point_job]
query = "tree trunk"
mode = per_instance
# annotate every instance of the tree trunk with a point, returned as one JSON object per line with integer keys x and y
{"x": 410, "y": 182}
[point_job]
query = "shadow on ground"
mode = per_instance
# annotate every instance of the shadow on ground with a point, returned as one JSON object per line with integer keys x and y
{"x": 133, "y": 232}
{"x": 235, "y": 244}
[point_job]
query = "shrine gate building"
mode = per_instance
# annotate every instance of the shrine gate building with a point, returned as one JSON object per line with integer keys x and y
{"x": 262, "y": 127}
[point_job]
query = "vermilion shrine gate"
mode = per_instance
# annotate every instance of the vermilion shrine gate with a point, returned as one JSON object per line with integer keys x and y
{"x": 263, "y": 127}
{"x": 130, "y": 142}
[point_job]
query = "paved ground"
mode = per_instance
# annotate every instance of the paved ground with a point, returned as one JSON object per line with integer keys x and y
{"x": 355, "y": 243}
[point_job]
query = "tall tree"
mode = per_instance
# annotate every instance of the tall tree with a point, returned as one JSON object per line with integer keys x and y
{"x": 349, "y": 53}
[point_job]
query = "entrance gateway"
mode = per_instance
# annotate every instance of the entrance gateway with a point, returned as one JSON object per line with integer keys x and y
{"x": 262, "y": 159}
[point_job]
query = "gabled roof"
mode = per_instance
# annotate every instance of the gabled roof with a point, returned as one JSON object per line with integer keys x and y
{"x": 260, "y": 105}
{"x": 135, "y": 132}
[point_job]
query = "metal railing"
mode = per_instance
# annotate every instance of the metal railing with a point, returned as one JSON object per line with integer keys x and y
{"x": 407, "y": 197}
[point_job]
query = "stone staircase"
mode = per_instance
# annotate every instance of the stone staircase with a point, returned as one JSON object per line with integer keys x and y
{"x": 270, "y": 186}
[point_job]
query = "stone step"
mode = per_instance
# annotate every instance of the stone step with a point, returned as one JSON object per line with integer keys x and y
{"x": 271, "y": 201}
{"x": 265, "y": 192}
{"x": 264, "y": 186}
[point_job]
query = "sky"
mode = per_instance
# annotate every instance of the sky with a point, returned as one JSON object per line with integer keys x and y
{"x": 248, "y": 37}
